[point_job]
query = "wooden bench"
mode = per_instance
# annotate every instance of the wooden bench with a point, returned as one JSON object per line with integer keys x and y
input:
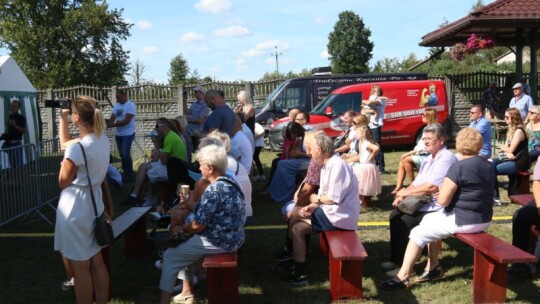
{"x": 519, "y": 183}
{"x": 222, "y": 277}
{"x": 491, "y": 258}
{"x": 346, "y": 256}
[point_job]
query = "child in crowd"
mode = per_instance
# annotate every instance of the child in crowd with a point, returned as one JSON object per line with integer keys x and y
{"x": 113, "y": 175}
{"x": 363, "y": 164}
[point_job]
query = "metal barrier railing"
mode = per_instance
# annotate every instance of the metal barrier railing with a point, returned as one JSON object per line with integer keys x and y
{"x": 29, "y": 177}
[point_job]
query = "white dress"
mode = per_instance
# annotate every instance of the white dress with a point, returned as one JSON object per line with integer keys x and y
{"x": 367, "y": 173}
{"x": 74, "y": 230}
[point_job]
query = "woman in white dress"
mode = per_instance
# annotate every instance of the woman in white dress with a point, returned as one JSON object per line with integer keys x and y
{"x": 75, "y": 219}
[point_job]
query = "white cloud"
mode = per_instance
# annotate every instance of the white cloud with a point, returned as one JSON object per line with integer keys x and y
{"x": 150, "y": 49}
{"x": 266, "y": 48}
{"x": 213, "y": 6}
{"x": 191, "y": 37}
{"x": 320, "y": 20}
{"x": 324, "y": 54}
{"x": 240, "y": 61}
{"x": 202, "y": 49}
{"x": 143, "y": 24}
{"x": 232, "y": 31}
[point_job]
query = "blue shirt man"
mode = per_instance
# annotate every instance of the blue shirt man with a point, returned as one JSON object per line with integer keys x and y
{"x": 521, "y": 101}
{"x": 480, "y": 123}
{"x": 198, "y": 111}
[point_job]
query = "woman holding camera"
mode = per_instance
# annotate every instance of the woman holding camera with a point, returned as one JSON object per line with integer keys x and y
{"x": 75, "y": 218}
{"x": 514, "y": 155}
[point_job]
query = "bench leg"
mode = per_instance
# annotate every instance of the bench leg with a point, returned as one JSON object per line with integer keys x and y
{"x": 489, "y": 280}
{"x": 222, "y": 285}
{"x": 135, "y": 239}
{"x": 323, "y": 243}
{"x": 345, "y": 279}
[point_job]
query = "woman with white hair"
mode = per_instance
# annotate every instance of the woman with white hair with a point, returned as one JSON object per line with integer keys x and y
{"x": 218, "y": 226}
{"x": 245, "y": 107}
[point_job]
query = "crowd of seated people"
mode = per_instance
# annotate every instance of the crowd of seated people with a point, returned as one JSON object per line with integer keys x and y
{"x": 332, "y": 193}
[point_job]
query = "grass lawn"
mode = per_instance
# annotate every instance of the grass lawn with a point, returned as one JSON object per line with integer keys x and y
{"x": 31, "y": 272}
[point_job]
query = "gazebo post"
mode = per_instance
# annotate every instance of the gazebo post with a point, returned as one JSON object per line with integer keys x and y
{"x": 519, "y": 54}
{"x": 533, "y": 78}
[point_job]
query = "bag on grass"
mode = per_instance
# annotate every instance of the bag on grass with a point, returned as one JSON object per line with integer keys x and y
{"x": 412, "y": 203}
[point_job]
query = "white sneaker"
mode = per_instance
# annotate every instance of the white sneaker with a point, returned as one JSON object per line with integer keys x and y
{"x": 66, "y": 285}
{"x": 496, "y": 201}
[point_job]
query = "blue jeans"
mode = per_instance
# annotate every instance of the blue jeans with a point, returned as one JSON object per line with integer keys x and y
{"x": 124, "y": 148}
{"x": 503, "y": 168}
{"x": 377, "y": 137}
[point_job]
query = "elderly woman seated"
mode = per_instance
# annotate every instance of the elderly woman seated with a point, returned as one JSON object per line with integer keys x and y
{"x": 218, "y": 225}
{"x": 466, "y": 195}
{"x": 335, "y": 207}
{"x": 427, "y": 182}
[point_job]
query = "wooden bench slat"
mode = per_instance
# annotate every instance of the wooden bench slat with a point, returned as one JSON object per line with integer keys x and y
{"x": 345, "y": 245}
{"x": 521, "y": 199}
{"x": 222, "y": 260}
{"x": 495, "y": 248}
{"x": 126, "y": 219}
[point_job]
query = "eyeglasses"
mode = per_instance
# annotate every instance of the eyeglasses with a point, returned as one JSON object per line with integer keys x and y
{"x": 160, "y": 125}
{"x": 428, "y": 139}
{"x": 473, "y": 112}
{"x": 300, "y": 119}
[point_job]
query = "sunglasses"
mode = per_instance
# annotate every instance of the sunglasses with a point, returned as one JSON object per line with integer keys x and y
{"x": 160, "y": 125}
{"x": 473, "y": 112}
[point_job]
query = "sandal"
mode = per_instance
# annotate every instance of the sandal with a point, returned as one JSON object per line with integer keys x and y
{"x": 181, "y": 299}
{"x": 430, "y": 275}
{"x": 395, "y": 283}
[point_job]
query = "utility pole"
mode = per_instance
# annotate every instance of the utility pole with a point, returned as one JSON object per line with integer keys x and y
{"x": 277, "y": 54}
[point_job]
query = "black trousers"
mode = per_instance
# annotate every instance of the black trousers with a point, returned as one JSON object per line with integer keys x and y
{"x": 401, "y": 225}
{"x": 177, "y": 173}
{"x": 523, "y": 219}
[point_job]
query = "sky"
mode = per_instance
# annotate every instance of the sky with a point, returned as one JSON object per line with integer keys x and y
{"x": 232, "y": 40}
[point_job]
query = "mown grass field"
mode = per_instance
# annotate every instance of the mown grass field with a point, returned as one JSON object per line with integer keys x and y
{"x": 31, "y": 272}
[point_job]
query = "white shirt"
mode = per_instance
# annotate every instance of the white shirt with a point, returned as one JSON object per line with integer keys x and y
{"x": 242, "y": 150}
{"x": 120, "y": 111}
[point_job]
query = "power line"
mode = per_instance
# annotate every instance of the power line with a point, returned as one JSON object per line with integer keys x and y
{"x": 277, "y": 54}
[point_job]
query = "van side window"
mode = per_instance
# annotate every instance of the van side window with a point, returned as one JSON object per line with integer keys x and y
{"x": 346, "y": 102}
{"x": 291, "y": 97}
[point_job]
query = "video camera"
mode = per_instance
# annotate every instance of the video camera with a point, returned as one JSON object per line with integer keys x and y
{"x": 58, "y": 103}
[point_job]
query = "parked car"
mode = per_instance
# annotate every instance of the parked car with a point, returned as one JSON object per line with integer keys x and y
{"x": 406, "y": 101}
{"x": 307, "y": 92}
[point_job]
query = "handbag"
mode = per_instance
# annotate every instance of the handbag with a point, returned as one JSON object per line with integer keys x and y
{"x": 412, "y": 203}
{"x": 103, "y": 229}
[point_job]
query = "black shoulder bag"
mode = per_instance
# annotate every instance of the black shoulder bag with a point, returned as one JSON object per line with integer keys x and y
{"x": 103, "y": 228}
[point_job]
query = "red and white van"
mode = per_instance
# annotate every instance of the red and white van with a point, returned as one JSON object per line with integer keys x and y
{"x": 406, "y": 101}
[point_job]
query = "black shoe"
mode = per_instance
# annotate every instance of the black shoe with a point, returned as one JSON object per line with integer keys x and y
{"x": 129, "y": 201}
{"x": 395, "y": 283}
{"x": 433, "y": 274}
{"x": 284, "y": 256}
{"x": 294, "y": 279}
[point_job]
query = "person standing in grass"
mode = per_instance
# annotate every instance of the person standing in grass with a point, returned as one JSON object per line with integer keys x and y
{"x": 75, "y": 219}
{"x": 336, "y": 206}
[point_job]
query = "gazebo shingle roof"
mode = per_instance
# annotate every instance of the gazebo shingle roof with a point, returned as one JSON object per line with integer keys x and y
{"x": 499, "y": 20}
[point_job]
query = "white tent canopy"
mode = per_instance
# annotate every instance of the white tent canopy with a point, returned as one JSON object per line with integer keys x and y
{"x": 15, "y": 86}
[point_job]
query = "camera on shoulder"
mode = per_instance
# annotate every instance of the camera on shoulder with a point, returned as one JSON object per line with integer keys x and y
{"x": 58, "y": 103}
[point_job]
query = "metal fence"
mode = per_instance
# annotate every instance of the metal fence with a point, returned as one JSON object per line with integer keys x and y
{"x": 29, "y": 176}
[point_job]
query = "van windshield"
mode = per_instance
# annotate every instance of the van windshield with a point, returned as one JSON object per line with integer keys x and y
{"x": 271, "y": 96}
{"x": 340, "y": 104}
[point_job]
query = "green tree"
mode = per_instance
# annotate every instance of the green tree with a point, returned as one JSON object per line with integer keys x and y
{"x": 61, "y": 43}
{"x": 179, "y": 70}
{"x": 387, "y": 65}
{"x": 349, "y": 46}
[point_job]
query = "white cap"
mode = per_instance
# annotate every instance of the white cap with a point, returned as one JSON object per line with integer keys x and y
{"x": 200, "y": 89}
{"x": 517, "y": 85}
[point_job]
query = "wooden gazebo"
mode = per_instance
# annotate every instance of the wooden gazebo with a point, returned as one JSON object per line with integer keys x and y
{"x": 511, "y": 23}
